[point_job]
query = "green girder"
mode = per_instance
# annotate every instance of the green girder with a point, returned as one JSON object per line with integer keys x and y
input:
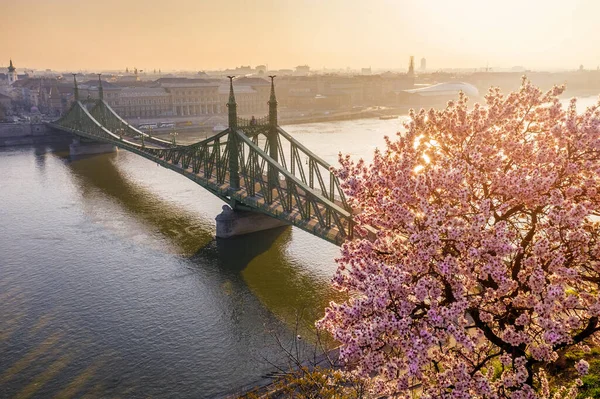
{"x": 296, "y": 195}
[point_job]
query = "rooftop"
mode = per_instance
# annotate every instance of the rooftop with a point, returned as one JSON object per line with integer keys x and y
{"x": 93, "y": 84}
{"x": 182, "y": 85}
{"x": 143, "y": 92}
{"x": 185, "y": 82}
{"x": 251, "y": 81}
{"x": 224, "y": 89}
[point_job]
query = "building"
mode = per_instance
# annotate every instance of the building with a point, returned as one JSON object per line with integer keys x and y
{"x": 321, "y": 91}
{"x": 25, "y": 92}
{"x": 251, "y": 95}
{"x": 423, "y": 66}
{"x": 261, "y": 69}
{"x": 192, "y": 97}
{"x": 238, "y": 71}
{"x": 145, "y": 102}
{"x": 5, "y": 103}
{"x": 42, "y": 93}
{"x": 55, "y": 102}
{"x": 302, "y": 70}
{"x": 12, "y": 74}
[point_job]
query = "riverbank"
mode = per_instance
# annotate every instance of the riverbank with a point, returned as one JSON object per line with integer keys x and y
{"x": 22, "y": 134}
{"x": 192, "y": 135}
{"x": 285, "y": 117}
{"x": 18, "y": 134}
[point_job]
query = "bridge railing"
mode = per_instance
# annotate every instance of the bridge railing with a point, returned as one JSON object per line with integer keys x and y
{"x": 292, "y": 196}
{"x": 318, "y": 174}
{"x": 289, "y": 192}
{"x": 244, "y": 122}
{"x": 109, "y": 118}
{"x": 300, "y": 162}
{"x": 81, "y": 122}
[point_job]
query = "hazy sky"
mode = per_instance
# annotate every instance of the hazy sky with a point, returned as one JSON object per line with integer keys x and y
{"x": 198, "y": 34}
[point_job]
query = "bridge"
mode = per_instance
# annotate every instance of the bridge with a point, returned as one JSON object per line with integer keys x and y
{"x": 254, "y": 165}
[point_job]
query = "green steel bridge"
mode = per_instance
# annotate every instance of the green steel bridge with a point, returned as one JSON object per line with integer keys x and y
{"x": 253, "y": 165}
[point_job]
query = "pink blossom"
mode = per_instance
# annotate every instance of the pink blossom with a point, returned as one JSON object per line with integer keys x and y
{"x": 490, "y": 251}
{"x": 582, "y": 367}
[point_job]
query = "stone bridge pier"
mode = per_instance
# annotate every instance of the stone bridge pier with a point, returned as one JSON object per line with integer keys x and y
{"x": 244, "y": 165}
{"x": 82, "y": 147}
{"x": 237, "y": 222}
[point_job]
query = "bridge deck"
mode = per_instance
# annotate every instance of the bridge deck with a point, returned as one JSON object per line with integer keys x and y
{"x": 290, "y": 196}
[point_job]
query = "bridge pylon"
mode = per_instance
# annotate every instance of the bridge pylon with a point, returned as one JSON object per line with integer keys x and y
{"x": 234, "y": 177}
{"x": 75, "y": 88}
{"x": 100, "y": 89}
{"x": 78, "y": 118}
{"x": 100, "y": 99}
{"x": 273, "y": 137}
{"x": 242, "y": 165}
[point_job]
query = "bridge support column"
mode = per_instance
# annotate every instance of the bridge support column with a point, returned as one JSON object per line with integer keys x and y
{"x": 234, "y": 223}
{"x": 79, "y": 147}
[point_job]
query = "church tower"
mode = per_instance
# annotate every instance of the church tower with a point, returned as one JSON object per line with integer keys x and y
{"x": 12, "y": 74}
{"x": 411, "y": 67}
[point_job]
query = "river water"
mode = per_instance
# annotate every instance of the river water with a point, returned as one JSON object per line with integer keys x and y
{"x": 112, "y": 285}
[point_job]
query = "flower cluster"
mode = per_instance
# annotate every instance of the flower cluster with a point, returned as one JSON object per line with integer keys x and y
{"x": 487, "y": 257}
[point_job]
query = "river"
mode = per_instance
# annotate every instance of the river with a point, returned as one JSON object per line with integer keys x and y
{"x": 112, "y": 285}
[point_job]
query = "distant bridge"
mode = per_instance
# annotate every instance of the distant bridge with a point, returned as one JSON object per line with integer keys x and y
{"x": 245, "y": 165}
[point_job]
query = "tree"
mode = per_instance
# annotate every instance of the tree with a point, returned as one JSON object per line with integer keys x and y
{"x": 486, "y": 264}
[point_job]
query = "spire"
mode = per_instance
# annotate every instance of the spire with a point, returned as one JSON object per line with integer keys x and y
{"x": 273, "y": 99}
{"x": 231, "y": 94}
{"x": 273, "y": 103}
{"x": 231, "y": 105}
{"x": 273, "y": 173}
{"x": 234, "y": 176}
{"x": 11, "y": 67}
{"x": 75, "y": 88}
{"x": 100, "y": 89}
{"x": 411, "y": 66}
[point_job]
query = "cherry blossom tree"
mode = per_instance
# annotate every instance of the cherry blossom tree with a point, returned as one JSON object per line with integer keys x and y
{"x": 486, "y": 262}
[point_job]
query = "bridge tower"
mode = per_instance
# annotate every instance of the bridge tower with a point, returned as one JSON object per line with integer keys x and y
{"x": 101, "y": 98}
{"x": 273, "y": 173}
{"x": 100, "y": 89}
{"x": 75, "y": 88}
{"x": 84, "y": 146}
{"x": 76, "y": 96}
{"x": 234, "y": 177}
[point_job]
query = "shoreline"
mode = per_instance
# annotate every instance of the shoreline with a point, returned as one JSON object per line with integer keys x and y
{"x": 34, "y": 134}
{"x": 202, "y": 134}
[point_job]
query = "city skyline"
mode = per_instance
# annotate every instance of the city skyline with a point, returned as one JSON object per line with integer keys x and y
{"x": 337, "y": 34}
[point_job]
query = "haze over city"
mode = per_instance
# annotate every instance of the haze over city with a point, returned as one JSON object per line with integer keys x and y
{"x": 197, "y": 35}
{"x": 333, "y": 199}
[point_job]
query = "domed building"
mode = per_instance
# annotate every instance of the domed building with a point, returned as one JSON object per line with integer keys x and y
{"x": 437, "y": 95}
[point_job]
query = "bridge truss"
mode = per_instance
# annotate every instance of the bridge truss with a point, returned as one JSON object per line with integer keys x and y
{"x": 252, "y": 165}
